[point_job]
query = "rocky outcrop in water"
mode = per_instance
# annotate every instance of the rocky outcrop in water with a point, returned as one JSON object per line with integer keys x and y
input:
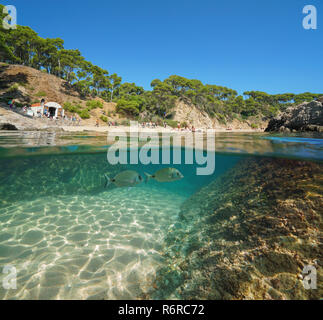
{"x": 304, "y": 117}
{"x": 248, "y": 235}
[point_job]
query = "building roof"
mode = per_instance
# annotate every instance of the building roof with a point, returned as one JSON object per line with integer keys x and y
{"x": 53, "y": 105}
{"x": 49, "y": 105}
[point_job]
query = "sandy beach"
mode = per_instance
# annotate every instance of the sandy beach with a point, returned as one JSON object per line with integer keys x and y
{"x": 147, "y": 130}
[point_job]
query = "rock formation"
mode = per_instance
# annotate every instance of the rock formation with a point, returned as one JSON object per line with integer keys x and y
{"x": 8, "y": 127}
{"x": 304, "y": 117}
{"x": 248, "y": 235}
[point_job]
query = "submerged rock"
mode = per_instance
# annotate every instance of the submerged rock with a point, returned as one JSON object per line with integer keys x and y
{"x": 304, "y": 117}
{"x": 248, "y": 235}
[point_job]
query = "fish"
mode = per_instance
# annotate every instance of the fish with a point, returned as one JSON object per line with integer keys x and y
{"x": 165, "y": 175}
{"x": 124, "y": 179}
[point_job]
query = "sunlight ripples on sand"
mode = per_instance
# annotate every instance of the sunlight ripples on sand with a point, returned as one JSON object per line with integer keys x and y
{"x": 86, "y": 247}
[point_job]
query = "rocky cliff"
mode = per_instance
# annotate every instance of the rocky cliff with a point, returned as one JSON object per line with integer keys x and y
{"x": 304, "y": 117}
{"x": 189, "y": 113}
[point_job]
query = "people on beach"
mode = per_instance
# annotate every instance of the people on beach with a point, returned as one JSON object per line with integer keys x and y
{"x": 12, "y": 104}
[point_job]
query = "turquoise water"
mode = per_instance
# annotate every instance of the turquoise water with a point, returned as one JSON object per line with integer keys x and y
{"x": 69, "y": 238}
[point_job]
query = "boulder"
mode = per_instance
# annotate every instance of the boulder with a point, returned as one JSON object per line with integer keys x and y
{"x": 8, "y": 126}
{"x": 300, "y": 118}
{"x": 247, "y": 235}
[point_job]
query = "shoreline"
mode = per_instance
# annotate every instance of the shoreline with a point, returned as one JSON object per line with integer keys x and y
{"x": 23, "y": 123}
{"x": 151, "y": 130}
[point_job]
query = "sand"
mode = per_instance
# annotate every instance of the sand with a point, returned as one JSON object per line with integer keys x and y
{"x": 158, "y": 129}
{"x": 105, "y": 246}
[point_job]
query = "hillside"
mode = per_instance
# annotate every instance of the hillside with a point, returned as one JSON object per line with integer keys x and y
{"x": 28, "y": 86}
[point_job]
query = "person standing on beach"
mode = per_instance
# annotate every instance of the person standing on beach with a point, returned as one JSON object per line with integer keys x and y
{"x": 97, "y": 123}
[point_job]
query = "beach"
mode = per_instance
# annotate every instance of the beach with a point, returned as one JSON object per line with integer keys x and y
{"x": 89, "y": 128}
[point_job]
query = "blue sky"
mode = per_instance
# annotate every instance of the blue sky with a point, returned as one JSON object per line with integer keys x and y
{"x": 241, "y": 44}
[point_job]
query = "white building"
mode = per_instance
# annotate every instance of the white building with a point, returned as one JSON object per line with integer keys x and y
{"x": 53, "y": 108}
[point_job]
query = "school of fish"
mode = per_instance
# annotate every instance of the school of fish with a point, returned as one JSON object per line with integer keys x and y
{"x": 131, "y": 178}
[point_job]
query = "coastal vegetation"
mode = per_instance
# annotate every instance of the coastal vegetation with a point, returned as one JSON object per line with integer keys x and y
{"x": 25, "y": 47}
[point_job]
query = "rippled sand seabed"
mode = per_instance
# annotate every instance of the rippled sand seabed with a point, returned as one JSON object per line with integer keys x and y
{"x": 106, "y": 246}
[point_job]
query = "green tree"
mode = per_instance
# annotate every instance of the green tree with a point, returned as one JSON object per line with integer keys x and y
{"x": 23, "y": 42}
{"x": 114, "y": 84}
{"x": 128, "y": 107}
{"x": 69, "y": 61}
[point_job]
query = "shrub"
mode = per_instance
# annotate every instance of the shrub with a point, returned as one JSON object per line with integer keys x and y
{"x": 171, "y": 123}
{"x": 22, "y": 84}
{"x": 6, "y": 99}
{"x": 125, "y": 123}
{"x": 18, "y": 105}
{"x": 84, "y": 114}
{"x": 68, "y": 106}
{"x": 13, "y": 88}
{"x": 41, "y": 94}
{"x": 94, "y": 104}
{"x": 104, "y": 119}
{"x": 254, "y": 126}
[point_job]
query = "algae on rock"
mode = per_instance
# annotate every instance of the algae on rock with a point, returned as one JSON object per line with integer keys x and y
{"x": 248, "y": 235}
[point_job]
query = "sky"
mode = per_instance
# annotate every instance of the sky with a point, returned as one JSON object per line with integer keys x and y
{"x": 241, "y": 44}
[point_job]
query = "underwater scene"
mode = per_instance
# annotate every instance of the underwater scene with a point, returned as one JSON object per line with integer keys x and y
{"x": 72, "y": 227}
